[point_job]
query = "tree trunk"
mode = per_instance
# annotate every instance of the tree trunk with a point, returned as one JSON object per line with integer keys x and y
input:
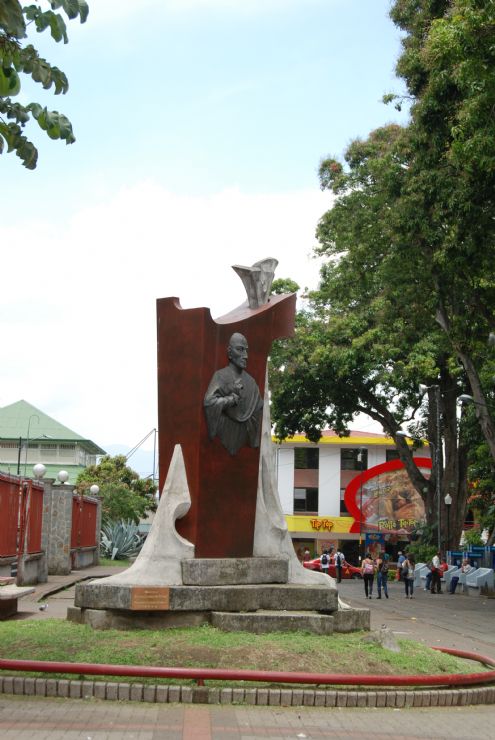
{"x": 454, "y": 480}
{"x": 482, "y": 411}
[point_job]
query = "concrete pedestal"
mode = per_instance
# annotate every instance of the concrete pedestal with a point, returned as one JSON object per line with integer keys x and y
{"x": 250, "y": 594}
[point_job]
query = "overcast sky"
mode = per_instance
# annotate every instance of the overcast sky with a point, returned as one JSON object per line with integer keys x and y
{"x": 200, "y": 125}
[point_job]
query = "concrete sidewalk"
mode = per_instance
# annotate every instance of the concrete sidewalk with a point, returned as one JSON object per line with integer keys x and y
{"x": 457, "y": 621}
{"x": 26, "y": 718}
{"x": 57, "y": 593}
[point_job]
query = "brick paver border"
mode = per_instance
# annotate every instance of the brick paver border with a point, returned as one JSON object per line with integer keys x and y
{"x": 285, "y": 697}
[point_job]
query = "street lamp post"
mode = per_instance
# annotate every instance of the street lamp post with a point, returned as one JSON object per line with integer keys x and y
{"x": 27, "y": 440}
{"x": 448, "y": 502}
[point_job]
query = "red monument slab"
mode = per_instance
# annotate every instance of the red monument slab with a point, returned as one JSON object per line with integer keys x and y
{"x": 222, "y": 476}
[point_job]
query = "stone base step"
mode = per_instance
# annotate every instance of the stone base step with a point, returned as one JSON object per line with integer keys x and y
{"x": 261, "y": 621}
{"x": 279, "y": 597}
{"x": 264, "y": 621}
{"x": 234, "y": 571}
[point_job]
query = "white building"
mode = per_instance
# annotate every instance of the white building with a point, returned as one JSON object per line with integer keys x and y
{"x": 312, "y": 480}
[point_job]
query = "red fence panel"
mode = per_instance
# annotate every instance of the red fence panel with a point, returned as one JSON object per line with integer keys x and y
{"x": 9, "y": 516}
{"x": 88, "y": 523}
{"x": 35, "y": 520}
{"x": 84, "y": 519}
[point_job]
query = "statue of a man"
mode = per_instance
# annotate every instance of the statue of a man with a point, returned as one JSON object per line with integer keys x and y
{"x": 233, "y": 403}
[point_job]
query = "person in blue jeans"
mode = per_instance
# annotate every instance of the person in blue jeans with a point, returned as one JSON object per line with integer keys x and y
{"x": 408, "y": 575}
{"x": 382, "y": 575}
{"x": 466, "y": 567}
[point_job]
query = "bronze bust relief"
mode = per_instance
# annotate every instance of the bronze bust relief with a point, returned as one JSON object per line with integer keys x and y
{"x": 232, "y": 402}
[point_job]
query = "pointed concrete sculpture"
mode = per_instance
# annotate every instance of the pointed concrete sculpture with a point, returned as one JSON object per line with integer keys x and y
{"x": 271, "y": 534}
{"x": 158, "y": 563}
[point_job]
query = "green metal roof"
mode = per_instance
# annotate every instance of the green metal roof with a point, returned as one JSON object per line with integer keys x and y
{"x": 23, "y": 420}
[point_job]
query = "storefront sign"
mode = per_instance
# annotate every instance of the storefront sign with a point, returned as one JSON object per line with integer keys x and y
{"x": 383, "y": 499}
{"x": 338, "y": 524}
{"x": 374, "y": 544}
{"x": 322, "y": 524}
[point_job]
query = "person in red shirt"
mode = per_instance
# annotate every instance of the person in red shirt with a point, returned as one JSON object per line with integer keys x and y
{"x": 444, "y": 566}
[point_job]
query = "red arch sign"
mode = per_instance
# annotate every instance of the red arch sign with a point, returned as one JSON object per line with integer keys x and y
{"x": 383, "y": 499}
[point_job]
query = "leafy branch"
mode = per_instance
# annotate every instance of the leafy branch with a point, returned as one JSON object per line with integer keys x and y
{"x": 17, "y": 59}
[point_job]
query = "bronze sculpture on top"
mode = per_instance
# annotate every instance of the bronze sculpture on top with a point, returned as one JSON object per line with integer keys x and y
{"x": 232, "y": 402}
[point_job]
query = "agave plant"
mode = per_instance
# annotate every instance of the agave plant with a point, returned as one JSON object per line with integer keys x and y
{"x": 120, "y": 540}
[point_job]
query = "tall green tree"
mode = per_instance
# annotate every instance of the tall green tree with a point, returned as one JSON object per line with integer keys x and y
{"x": 369, "y": 337}
{"x": 448, "y": 205}
{"x": 18, "y": 58}
{"x": 124, "y": 494}
{"x": 410, "y": 247}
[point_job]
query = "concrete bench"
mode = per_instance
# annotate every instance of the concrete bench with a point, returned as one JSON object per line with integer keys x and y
{"x": 418, "y": 573}
{"x": 448, "y": 575}
{"x": 9, "y": 596}
{"x": 444, "y": 580}
{"x": 478, "y": 578}
{"x": 453, "y": 571}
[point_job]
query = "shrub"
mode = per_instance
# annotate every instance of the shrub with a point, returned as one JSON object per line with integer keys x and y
{"x": 120, "y": 540}
{"x": 422, "y": 552}
{"x": 473, "y": 537}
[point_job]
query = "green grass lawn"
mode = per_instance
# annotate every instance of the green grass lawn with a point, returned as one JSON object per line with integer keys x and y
{"x": 208, "y": 647}
{"x": 115, "y": 563}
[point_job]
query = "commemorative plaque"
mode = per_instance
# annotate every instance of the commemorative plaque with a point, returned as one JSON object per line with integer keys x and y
{"x": 149, "y": 598}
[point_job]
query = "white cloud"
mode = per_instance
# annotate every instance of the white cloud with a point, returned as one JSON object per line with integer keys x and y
{"x": 79, "y": 334}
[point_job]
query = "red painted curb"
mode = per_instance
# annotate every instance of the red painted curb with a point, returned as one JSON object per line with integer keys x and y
{"x": 219, "y": 674}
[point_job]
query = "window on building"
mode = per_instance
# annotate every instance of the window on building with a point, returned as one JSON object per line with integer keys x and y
{"x": 306, "y": 500}
{"x": 354, "y": 459}
{"x": 306, "y": 458}
{"x": 391, "y": 455}
{"x": 48, "y": 449}
{"x": 343, "y": 508}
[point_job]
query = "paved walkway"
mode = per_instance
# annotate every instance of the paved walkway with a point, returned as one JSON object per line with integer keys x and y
{"x": 58, "y": 593}
{"x": 453, "y": 621}
{"x": 23, "y": 718}
{"x": 458, "y": 621}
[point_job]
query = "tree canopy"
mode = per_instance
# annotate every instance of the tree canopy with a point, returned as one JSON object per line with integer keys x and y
{"x": 125, "y": 496}
{"x": 407, "y": 291}
{"x": 448, "y": 204}
{"x": 17, "y": 58}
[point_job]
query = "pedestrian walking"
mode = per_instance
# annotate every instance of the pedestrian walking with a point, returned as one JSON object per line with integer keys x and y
{"x": 436, "y": 574}
{"x": 325, "y": 562}
{"x": 400, "y": 560}
{"x": 408, "y": 575}
{"x": 339, "y": 562}
{"x": 382, "y": 575}
{"x": 368, "y": 573}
